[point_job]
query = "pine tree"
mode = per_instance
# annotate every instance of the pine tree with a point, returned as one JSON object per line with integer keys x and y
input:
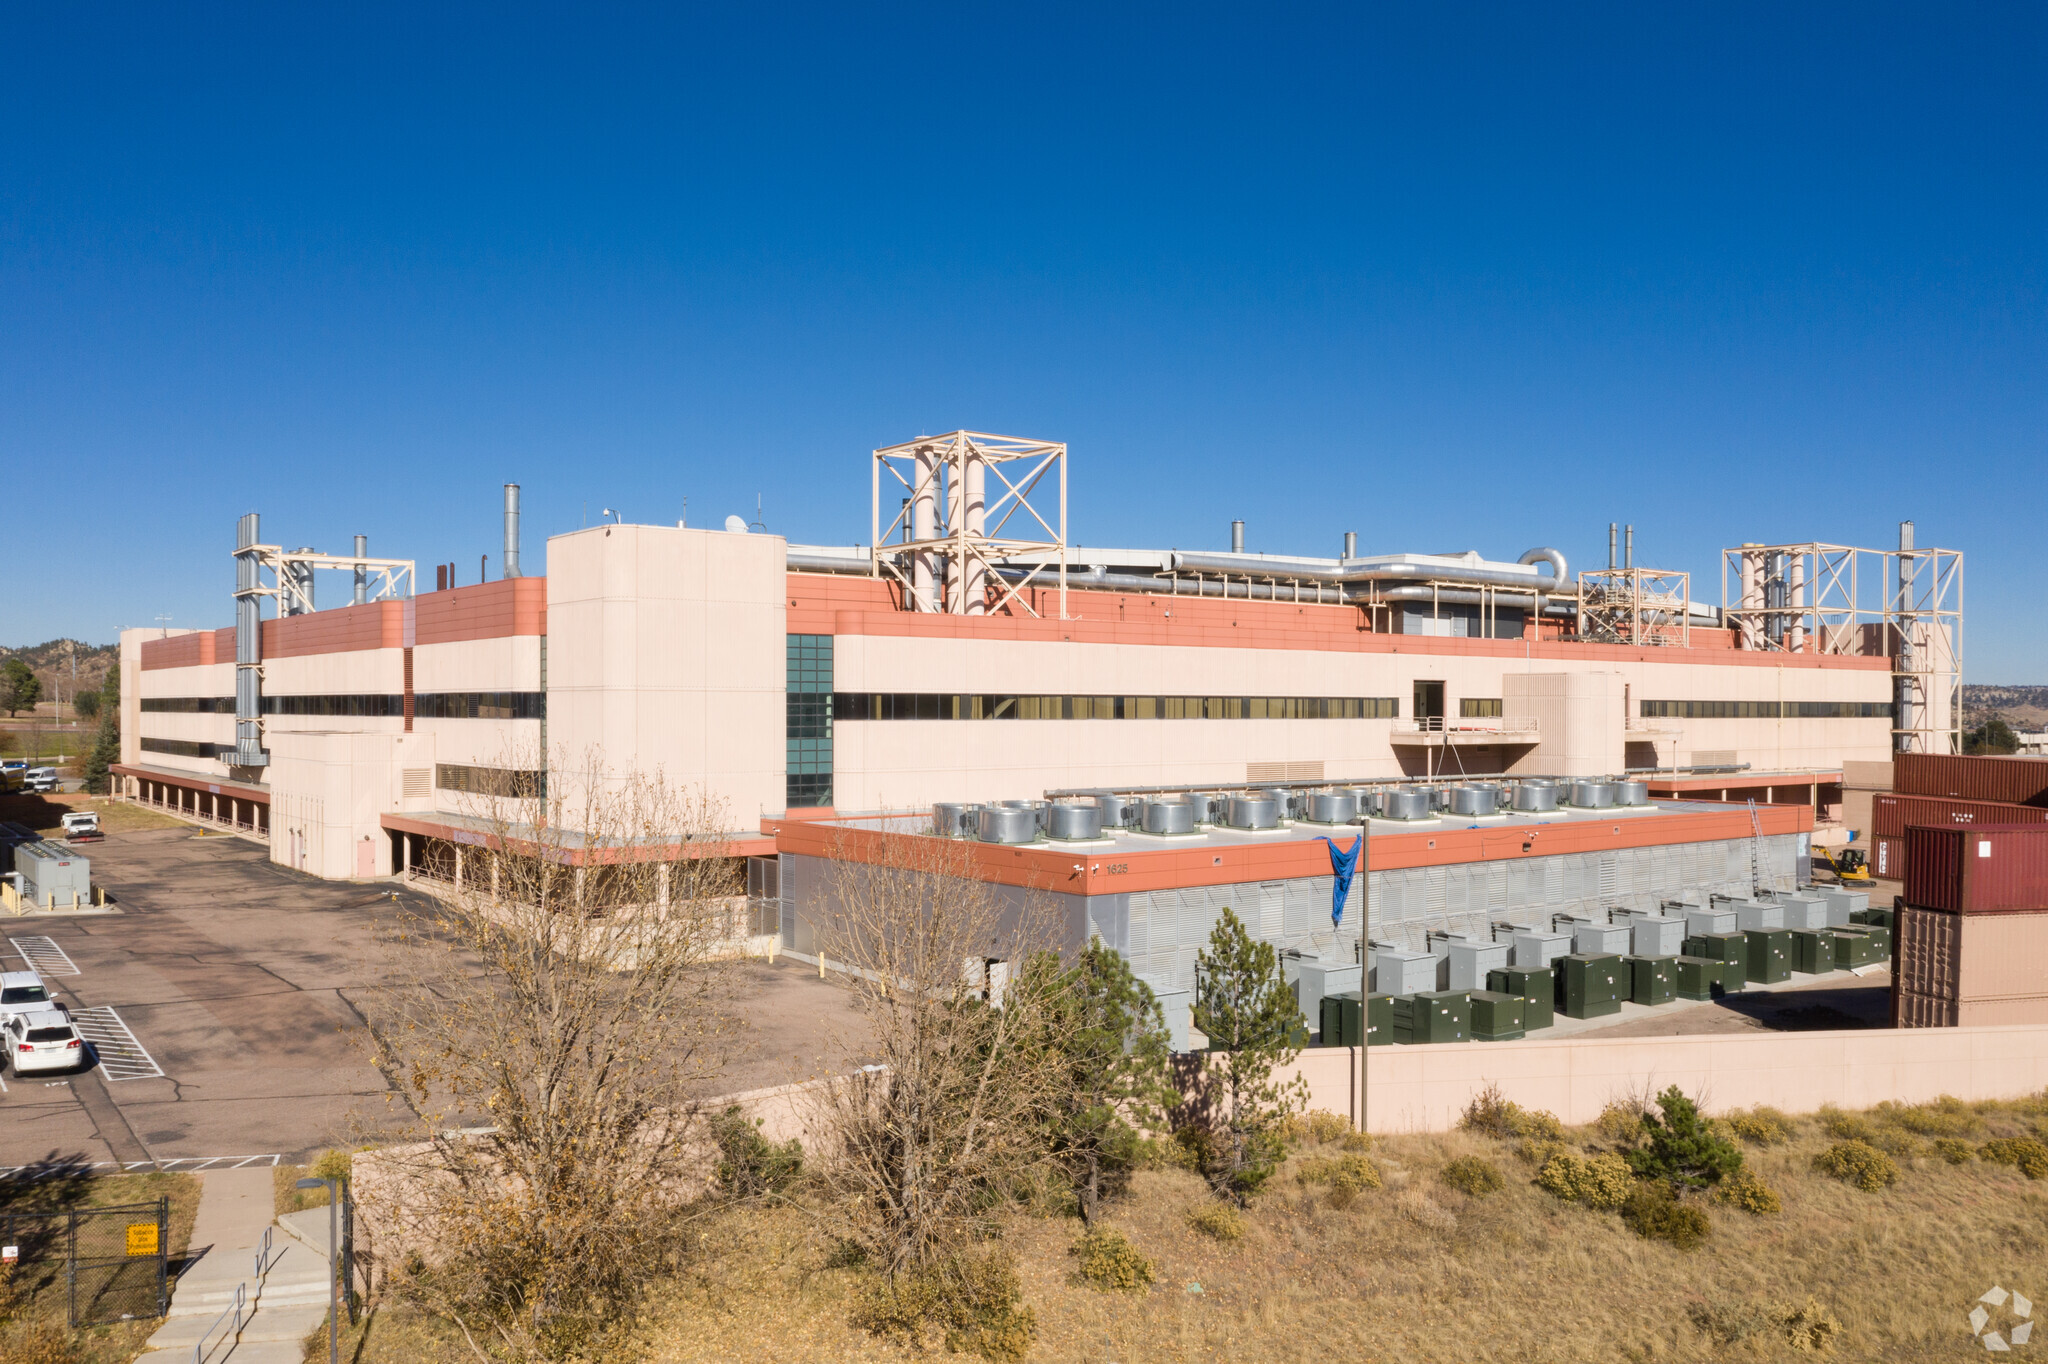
{"x": 1245, "y": 1006}
{"x": 1681, "y": 1148}
{"x": 106, "y": 744}
{"x": 20, "y": 689}
{"x": 1112, "y": 1082}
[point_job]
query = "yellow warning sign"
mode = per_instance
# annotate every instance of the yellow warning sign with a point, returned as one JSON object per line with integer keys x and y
{"x": 142, "y": 1238}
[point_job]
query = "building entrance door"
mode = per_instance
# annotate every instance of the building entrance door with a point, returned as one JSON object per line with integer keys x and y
{"x": 1429, "y": 700}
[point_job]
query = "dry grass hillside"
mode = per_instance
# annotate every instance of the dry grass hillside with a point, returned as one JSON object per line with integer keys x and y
{"x": 1418, "y": 1270}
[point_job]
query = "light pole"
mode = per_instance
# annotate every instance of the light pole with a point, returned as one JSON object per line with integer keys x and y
{"x": 333, "y": 1249}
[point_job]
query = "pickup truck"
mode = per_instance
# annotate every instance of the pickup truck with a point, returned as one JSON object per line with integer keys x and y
{"x": 82, "y": 826}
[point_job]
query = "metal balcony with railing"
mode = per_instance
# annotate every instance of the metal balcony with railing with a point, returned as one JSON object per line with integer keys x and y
{"x": 1467, "y": 729}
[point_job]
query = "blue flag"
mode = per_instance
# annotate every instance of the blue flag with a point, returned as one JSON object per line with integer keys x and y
{"x": 1344, "y": 863}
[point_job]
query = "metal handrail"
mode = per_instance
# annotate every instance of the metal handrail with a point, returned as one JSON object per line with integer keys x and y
{"x": 1467, "y": 724}
{"x": 262, "y": 1268}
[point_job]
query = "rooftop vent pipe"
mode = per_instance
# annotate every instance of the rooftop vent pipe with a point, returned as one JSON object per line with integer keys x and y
{"x": 1237, "y": 537}
{"x": 1628, "y": 547}
{"x": 248, "y": 649}
{"x": 1351, "y": 544}
{"x": 1611, "y": 528}
{"x": 362, "y": 570}
{"x": 511, "y": 530}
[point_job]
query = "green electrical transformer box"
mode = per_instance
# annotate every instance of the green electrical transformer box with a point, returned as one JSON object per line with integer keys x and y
{"x": 1537, "y": 987}
{"x": 1880, "y": 936}
{"x": 1697, "y": 977}
{"x": 1343, "y": 1014}
{"x": 1811, "y": 953}
{"x": 1590, "y": 985}
{"x": 1496, "y": 1016}
{"x": 1852, "y": 948}
{"x": 1652, "y": 980}
{"x": 1770, "y": 955}
{"x": 1734, "y": 977}
{"x": 1718, "y": 946}
{"x": 1433, "y": 1016}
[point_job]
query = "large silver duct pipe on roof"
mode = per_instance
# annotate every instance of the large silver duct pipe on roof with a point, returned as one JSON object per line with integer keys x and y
{"x": 362, "y": 570}
{"x": 511, "y": 530}
{"x": 248, "y": 649}
{"x": 1310, "y": 570}
{"x": 1084, "y": 579}
{"x": 1544, "y": 554}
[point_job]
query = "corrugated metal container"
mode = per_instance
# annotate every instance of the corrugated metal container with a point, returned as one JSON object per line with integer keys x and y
{"x": 1910, "y": 1010}
{"x": 2020, "y": 781}
{"x": 1890, "y": 862}
{"x": 1971, "y": 958}
{"x": 1891, "y": 815}
{"x": 1989, "y": 869}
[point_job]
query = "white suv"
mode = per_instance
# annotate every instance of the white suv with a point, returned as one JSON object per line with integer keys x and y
{"x": 42, "y": 1039}
{"x": 21, "y": 991}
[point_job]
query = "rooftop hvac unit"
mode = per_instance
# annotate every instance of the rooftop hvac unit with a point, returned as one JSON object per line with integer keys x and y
{"x": 1534, "y": 799}
{"x": 1405, "y": 803}
{"x": 1007, "y": 824}
{"x": 1254, "y": 812}
{"x": 1474, "y": 801}
{"x": 1169, "y": 817}
{"x": 955, "y": 819}
{"x": 1593, "y": 795}
{"x": 1631, "y": 793}
{"x": 1326, "y": 807}
{"x": 1074, "y": 822}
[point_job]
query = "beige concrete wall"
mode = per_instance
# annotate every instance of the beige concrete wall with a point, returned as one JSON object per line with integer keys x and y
{"x": 666, "y": 652}
{"x": 1580, "y": 715}
{"x": 1425, "y": 1089}
{"x": 327, "y": 793}
{"x": 507, "y": 663}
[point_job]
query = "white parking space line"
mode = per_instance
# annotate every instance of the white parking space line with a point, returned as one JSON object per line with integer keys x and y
{"x": 45, "y": 956}
{"x": 166, "y": 1165}
{"x": 121, "y": 1056}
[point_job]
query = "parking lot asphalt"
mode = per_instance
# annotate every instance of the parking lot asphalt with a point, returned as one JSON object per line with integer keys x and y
{"x": 246, "y": 985}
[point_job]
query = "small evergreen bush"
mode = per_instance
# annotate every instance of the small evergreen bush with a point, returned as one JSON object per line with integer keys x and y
{"x": 1106, "y": 1258}
{"x": 1679, "y": 1147}
{"x": 749, "y": 1165}
{"x": 1745, "y": 1191}
{"x": 2030, "y": 1156}
{"x": 1220, "y": 1220}
{"x": 1858, "y": 1163}
{"x": 1602, "y": 1181}
{"x": 1655, "y": 1213}
{"x": 1473, "y": 1175}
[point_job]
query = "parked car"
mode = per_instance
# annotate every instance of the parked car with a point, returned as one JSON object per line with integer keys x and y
{"x": 20, "y": 990}
{"x": 39, "y": 779}
{"x": 43, "y": 1039}
{"x": 82, "y": 826}
{"x": 12, "y": 775}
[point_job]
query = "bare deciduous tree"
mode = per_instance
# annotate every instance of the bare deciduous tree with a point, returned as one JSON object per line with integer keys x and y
{"x": 557, "y": 1011}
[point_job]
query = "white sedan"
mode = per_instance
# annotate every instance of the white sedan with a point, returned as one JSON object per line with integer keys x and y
{"x": 43, "y": 1039}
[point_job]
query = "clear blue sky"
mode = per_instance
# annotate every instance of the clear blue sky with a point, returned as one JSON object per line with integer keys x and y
{"x": 1451, "y": 277}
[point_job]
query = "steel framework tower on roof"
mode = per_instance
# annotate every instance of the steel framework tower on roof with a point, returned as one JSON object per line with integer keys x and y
{"x": 966, "y": 507}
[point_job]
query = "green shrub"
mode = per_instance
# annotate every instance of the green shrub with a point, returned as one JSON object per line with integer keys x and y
{"x": 334, "y": 1165}
{"x": 1473, "y": 1175}
{"x": 749, "y": 1165}
{"x": 1537, "y": 1152}
{"x": 973, "y": 1303}
{"x": 1620, "y": 1123}
{"x": 1601, "y": 1181}
{"x": 1898, "y": 1143}
{"x": 1318, "y": 1128}
{"x": 1954, "y": 1150}
{"x": 2030, "y": 1156}
{"x": 1220, "y": 1220}
{"x": 1808, "y": 1328}
{"x": 1494, "y": 1115}
{"x": 1106, "y": 1258}
{"x": 1858, "y": 1163}
{"x": 1846, "y": 1126}
{"x": 1745, "y": 1191}
{"x": 41, "y": 1342}
{"x": 1761, "y": 1126}
{"x": 1347, "y": 1176}
{"x": 1680, "y": 1149}
{"x": 1655, "y": 1213}
{"x": 1947, "y": 1116}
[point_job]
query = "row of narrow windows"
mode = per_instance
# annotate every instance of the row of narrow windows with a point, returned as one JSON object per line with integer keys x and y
{"x": 1768, "y": 710}
{"x": 445, "y": 705}
{"x": 949, "y": 706}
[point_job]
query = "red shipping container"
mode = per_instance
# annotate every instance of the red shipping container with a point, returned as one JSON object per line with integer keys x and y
{"x": 1890, "y": 862}
{"x": 1891, "y": 813}
{"x": 1977, "y": 869}
{"x": 2015, "y": 781}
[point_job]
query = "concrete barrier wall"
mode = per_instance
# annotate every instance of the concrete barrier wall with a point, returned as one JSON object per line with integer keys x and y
{"x": 1425, "y": 1089}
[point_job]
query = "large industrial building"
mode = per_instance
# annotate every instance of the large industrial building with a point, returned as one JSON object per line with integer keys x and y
{"x": 957, "y": 656}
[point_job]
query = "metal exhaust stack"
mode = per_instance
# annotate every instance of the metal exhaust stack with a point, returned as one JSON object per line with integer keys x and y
{"x": 362, "y": 570}
{"x": 1351, "y": 544}
{"x": 1237, "y": 537}
{"x": 248, "y": 649}
{"x": 511, "y": 530}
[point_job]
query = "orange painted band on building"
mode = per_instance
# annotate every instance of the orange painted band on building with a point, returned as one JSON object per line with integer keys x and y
{"x": 1044, "y": 868}
{"x": 510, "y": 606}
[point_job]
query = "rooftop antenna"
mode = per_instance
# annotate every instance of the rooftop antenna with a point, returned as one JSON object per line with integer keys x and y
{"x": 165, "y": 622}
{"x": 684, "y": 524}
{"x": 758, "y": 524}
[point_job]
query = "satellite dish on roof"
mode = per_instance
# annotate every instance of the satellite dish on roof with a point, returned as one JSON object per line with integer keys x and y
{"x": 736, "y": 524}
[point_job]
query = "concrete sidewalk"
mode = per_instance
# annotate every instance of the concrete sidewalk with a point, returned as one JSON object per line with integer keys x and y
{"x": 283, "y": 1296}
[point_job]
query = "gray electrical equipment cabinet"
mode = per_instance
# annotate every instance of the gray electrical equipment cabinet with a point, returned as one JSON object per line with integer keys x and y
{"x": 1654, "y": 935}
{"x": 1470, "y": 959}
{"x": 1532, "y": 951}
{"x": 1403, "y": 973}
{"x": 1805, "y": 912}
{"x": 1842, "y": 904}
{"x": 1591, "y": 939}
{"x": 1753, "y": 916}
{"x": 53, "y": 876}
{"x": 1175, "y": 1004}
{"x": 1701, "y": 922}
{"x": 1315, "y": 981}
